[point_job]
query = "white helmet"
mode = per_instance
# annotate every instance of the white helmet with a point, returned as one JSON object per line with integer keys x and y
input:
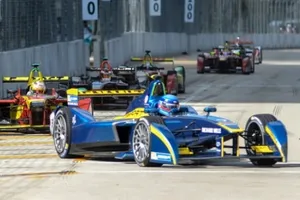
{"x": 38, "y": 86}
{"x": 148, "y": 64}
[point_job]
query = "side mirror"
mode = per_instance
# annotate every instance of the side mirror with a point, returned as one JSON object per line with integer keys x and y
{"x": 210, "y": 109}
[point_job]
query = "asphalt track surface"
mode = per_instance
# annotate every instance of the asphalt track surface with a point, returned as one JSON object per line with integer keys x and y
{"x": 30, "y": 169}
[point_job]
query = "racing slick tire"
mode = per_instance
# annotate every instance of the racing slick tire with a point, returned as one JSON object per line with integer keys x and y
{"x": 142, "y": 129}
{"x": 181, "y": 70}
{"x": 62, "y": 141}
{"x": 255, "y": 130}
{"x": 171, "y": 73}
{"x": 253, "y": 69}
{"x": 248, "y": 69}
{"x": 261, "y": 56}
{"x": 203, "y": 69}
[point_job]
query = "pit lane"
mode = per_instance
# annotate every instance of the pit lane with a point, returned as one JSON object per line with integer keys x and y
{"x": 30, "y": 169}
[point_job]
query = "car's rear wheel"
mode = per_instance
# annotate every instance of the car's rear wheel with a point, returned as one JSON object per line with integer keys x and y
{"x": 170, "y": 74}
{"x": 261, "y": 57}
{"x": 255, "y": 130}
{"x": 202, "y": 70}
{"x": 141, "y": 141}
{"x": 248, "y": 69}
{"x": 253, "y": 68}
{"x": 181, "y": 70}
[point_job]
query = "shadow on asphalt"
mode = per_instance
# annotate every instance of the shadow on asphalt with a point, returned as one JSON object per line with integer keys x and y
{"x": 220, "y": 163}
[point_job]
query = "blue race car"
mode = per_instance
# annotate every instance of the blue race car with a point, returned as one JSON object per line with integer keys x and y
{"x": 152, "y": 134}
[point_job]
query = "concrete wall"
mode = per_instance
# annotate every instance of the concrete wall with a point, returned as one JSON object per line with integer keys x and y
{"x": 120, "y": 49}
{"x": 65, "y": 58}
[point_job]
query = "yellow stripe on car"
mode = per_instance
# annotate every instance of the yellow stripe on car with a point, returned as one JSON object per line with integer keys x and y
{"x": 231, "y": 130}
{"x": 165, "y": 141}
{"x": 272, "y": 136}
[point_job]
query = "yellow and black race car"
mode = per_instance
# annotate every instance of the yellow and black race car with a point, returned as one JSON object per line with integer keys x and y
{"x": 29, "y": 108}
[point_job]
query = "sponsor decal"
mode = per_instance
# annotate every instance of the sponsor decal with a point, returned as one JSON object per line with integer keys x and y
{"x": 161, "y": 156}
{"x": 211, "y": 130}
{"x": 74, "y": 120}
{"x": 72, "y": 100}
{"x": 146, "y": 99}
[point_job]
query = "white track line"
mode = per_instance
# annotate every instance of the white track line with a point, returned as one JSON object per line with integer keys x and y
{"x": 256, "y": 171}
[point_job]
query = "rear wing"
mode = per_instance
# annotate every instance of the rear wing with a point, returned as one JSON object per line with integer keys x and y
{"x": 152, "y": 68}
{"x": 74, "y": 94}
{"x": 124, "y": 70}
{"x": 121, "y": 70}
{"x": 137, "y": 59}
{"x": 21, "y": 79}
{"x": 241, "y": 42}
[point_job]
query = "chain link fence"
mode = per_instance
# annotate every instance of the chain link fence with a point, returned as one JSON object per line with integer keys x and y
{"x": 27, "y": 23}
{"x": 213, "y": 16}
{"x": 126, "y": 27}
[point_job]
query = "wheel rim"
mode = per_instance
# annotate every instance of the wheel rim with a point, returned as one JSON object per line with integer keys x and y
{"x": 254, "y": 136}
{"x": 140, "y": 144}
{"x": 60, "y": 133}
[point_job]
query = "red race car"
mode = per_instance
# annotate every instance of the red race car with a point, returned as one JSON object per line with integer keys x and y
{"x": 232, "y": 57}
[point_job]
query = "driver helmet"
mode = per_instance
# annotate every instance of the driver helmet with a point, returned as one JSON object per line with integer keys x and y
{"x": 168, "y": 105}
{"x": 38, "y": 87}
{"x": 106, "y": 74}
{"x": 158, "y": 90}
{"x": 237, "y": 42}
{"x": 148, "y": 65}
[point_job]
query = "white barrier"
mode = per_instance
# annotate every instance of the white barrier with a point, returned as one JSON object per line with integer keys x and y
{"x": 121, "y": 49}
{"x": 58, "y": 59}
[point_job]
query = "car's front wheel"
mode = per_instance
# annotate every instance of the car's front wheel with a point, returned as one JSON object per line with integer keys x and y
{"x": 141, "y": 141}
{"x": 61, "y": 132}
{"x": 255, "y": 129}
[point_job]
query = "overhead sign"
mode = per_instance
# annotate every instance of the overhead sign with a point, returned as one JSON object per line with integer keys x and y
{"x": 89, "y": 9}
{"x": 155, "y": 7}
{"x": 189, "y": 7}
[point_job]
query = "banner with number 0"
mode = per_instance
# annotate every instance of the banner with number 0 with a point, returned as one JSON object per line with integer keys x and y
{"x": 189, "y": 7}
{"x": 155, "y": 7}
{"x": 89, "y": 9}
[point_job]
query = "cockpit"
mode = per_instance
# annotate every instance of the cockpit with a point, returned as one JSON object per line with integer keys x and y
{"x": 158, "y": 90}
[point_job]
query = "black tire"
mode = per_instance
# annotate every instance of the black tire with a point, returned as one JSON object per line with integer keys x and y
{"x": 65, "y": 115}
{"x": 203, "y": 69}
{"x": 169, "y": 73}
{"x": 253, "y": 69}
{"x": 145, "y": 121}
{"x": 183, "y": 87}
{"x": 182, "y": 90}
{"x": 177, "y": 89}
{"x": 248, "y": 69}
{"x": 255, "y": 130}
{"x": 261, "y": 56}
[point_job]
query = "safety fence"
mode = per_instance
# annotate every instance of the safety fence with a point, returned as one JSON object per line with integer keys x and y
{"x": 128, "y": 27}
{"x": 49, "y": 32}
{"x": 27, "y": 23}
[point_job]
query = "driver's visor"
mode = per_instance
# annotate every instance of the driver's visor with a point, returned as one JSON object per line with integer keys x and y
{"x": 169, "y": 106}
